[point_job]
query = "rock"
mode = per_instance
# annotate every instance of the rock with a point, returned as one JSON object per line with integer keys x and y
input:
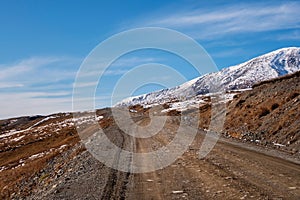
{"x": 177, "y": 192}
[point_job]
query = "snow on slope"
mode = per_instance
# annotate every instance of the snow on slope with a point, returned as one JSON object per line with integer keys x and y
{"x": 271, "y": 65}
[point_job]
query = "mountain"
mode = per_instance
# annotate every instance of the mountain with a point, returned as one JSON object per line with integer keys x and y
{"x": 268, "y": 66}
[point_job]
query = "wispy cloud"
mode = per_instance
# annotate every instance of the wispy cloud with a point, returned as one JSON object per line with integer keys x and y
{"x": 233, "y": 19}
{"x": 294, "y": 35}
{"x": 60, "y": 94}
{"x": 26, "y": 65}
{"x": 25, "y": 103}
{"x": 132, "y": 61}
{"x": 118, "y": 67}
{"x": 10, "y": 85}
{"x": 121, "y": 66}
{"x": 228, "y": 53}
{"x": 37, "y": 85}
{"x": 36, "y": 71}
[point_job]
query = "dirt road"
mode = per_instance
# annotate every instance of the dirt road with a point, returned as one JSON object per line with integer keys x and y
{"x": 230, "y": 171}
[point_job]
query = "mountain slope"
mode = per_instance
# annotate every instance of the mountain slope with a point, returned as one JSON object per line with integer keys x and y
{"x": 271, "y": 65}
{"x": 269, "y": 114}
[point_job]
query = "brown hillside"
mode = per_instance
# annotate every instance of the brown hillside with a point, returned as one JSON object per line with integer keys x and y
{"x": 269, "y": 114}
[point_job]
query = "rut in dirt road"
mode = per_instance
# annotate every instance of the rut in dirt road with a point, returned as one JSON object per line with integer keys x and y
{"x": 117, "y": 181}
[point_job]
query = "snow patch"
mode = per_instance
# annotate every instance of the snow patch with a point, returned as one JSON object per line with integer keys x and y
{"x": 18, "y": 138}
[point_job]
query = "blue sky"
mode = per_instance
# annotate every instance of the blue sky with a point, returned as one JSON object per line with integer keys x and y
{"x": 43, "y": 43}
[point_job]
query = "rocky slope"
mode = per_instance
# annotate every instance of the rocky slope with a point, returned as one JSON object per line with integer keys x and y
{"x": 269, "y": 114}
{"x": 266, "y": 115}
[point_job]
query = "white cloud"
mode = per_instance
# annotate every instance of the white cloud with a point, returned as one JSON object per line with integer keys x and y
{"x": 26, "y": 65}
{"x": 37, "y": 71}
{"x": 132, "y": 61}
{"x": 118, "y": 67}
{"x": 10, "y": 85}
{"x": 85, "y": 84}
{"x": 294, "y": 35}
{"x": 113, "y": 72}
{"x": 25, "y": 103}
{"x": 233, "y": 19}
{"x": 37, "y": 85}
{"x": 228, "y": 53}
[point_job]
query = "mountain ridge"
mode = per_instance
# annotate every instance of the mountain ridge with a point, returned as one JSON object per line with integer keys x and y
{"x": 242, "y": 76}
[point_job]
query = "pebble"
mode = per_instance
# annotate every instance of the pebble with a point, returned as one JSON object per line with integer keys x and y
{"x": 177, "y": 192}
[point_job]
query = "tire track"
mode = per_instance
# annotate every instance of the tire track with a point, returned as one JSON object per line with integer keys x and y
{"x": 117, "y": 181}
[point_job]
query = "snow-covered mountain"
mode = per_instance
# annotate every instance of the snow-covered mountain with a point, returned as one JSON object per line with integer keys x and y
{"x": 271, "y": 65}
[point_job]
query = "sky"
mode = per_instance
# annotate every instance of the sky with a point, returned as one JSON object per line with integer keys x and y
{"x": 43, "y": 43}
